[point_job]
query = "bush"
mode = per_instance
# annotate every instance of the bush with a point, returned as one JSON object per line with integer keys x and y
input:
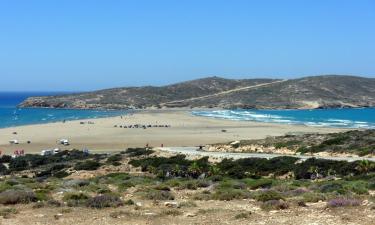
{"x": 268, "y": 195}
{"x": 134, "y": 152}
{"x": 3, "y": 169}
{"x": 75, "y": 199}
{"x": 16, "y": 197}
{"x": 274, "y": 205}
{"x": 18, "y": 164}
{"x": 343, "y": 202}
{"x": 114, "y": 159}
{"x": 102, "y": 201}
{"x": 87, "y": 165}
{"x": 5, "y": 159}
{"x": 171, "y": 212}
{"x": 7, "y": 212}
{"x": 258, "y": 183}
{"x": 75, "y": 196}
{"x": 129, "y": 202}
{"x": 152, "y": 194}
{"x": 242, "y": 215}
{"x": 227, "y": 194}
{"x": 313, "y": 197}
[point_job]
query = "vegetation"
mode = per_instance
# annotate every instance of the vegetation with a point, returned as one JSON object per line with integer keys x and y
{"x": 339, "y": 183}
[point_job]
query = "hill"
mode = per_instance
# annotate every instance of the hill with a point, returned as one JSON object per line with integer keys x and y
{"x": 330, "y": 91}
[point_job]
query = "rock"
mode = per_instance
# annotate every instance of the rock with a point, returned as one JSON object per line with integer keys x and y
{"x": 365, "y": 202}
{"x": 172, "y": 204}
{"x": 58, "y": 216}
{"x": 139, "y": 204}
{"x": 190, "y": 215}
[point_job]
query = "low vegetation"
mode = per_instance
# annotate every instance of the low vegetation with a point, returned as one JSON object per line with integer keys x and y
{"x": 273, "y": 184}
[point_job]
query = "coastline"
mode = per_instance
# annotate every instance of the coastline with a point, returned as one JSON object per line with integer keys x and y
{"x": 185, "y": 130}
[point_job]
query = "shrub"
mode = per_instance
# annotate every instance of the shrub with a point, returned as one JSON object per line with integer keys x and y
{"x": 152, "y": 194}
{"x": 75, "y": 199}
{"x": 3, "y": 169}
{"x": 274, "y": 205}
{"x": 242, "y": 215}
{"x": 114, "y": 159}
{"x": 258, "y": 183}
{"x": 75, "y": 196}
{"x": 332, "y": 187}
{"x": 203, "y": 196}
{"x": 7, "y": 212}
{"x": 18, "y": 164}
{"x": 105, "y": 200}
{"x": 227, "y": 194}
{"x": 268, "y": 195}
{"x": 343, "y": 202}
{"x": 87, "y": 165}
{"x": 17, "y": 197}
{"x": 134, "y": 152}
{"x": 5, "y": 159}
{"x": 171, "y": 212}
{"x": 187, "y": 204}
{"x": 313, "y": 197}
{"x": 129, "y": 202}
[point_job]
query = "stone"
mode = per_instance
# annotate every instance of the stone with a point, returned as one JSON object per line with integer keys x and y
{"x": 172, "y": 204}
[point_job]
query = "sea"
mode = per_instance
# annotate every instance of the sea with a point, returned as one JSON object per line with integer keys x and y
{"x": 339, "y": 118}
{"x": 11, "y": 115}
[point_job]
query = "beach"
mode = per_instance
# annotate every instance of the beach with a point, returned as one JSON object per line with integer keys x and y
{"x": 183, "y": 129}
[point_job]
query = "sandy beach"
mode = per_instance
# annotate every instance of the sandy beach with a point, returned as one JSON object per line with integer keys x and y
{"x": 185, "y": 130}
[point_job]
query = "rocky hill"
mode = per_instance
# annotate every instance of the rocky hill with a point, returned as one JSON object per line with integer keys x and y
{"x": 330, "y": 91}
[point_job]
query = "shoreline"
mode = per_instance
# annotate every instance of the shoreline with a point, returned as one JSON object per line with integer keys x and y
{"x": 185, "y": 130}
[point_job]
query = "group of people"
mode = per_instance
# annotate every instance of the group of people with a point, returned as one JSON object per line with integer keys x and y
{"x": 141, "y": 126}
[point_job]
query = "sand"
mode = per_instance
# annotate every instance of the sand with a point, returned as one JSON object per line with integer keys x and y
{"x": 185, "y": 130}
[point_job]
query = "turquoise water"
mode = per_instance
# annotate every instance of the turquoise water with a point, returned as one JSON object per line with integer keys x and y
{"x": 10, "y": 115}
{"x": 345, "y": 118}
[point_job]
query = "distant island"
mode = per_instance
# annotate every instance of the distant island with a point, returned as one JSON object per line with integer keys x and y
{"x": 314, "y": 92}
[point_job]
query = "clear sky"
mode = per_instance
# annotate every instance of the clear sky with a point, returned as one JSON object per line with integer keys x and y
{"x": 86, "y": 44}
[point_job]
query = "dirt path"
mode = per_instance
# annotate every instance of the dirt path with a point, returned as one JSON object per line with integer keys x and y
{"x": 224, "y": 92}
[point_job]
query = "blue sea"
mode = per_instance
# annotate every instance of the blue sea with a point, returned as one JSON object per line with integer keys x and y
{"x": 11, "y": 116}
{"x": 342, "y": 118}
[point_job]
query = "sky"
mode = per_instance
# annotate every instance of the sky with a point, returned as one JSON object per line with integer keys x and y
{"x": 86, "y": 45}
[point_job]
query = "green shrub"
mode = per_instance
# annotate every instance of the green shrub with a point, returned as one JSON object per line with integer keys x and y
{"x": 313, "y": 197}
{"x": 227, "y": 194}
{"x": 268, "y": 195}
{"x": 152, "y": 194}
{"x": 258, "y": 183}
{"x": 74, "y": 199}
{"x": 87, "y": 165}
{"x": 114, "y": 159}
{"x": 129, "y": 202}
{"x": 134, "y": 152}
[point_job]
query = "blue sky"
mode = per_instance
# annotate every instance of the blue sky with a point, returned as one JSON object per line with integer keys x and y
{"x": 85, "y": 45}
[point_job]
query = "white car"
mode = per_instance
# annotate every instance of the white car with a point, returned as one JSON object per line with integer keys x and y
{"x": 64, "y": 142}
{"x": 47, "y": 152}
{"x": 14, "y": 142}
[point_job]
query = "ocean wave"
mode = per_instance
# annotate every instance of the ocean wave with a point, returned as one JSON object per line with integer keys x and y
{"x": 314, "y": 118}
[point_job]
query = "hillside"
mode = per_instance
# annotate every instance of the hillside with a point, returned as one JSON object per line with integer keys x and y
{"x": 355, "y": 142}
{"x": 331, "y": 91}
